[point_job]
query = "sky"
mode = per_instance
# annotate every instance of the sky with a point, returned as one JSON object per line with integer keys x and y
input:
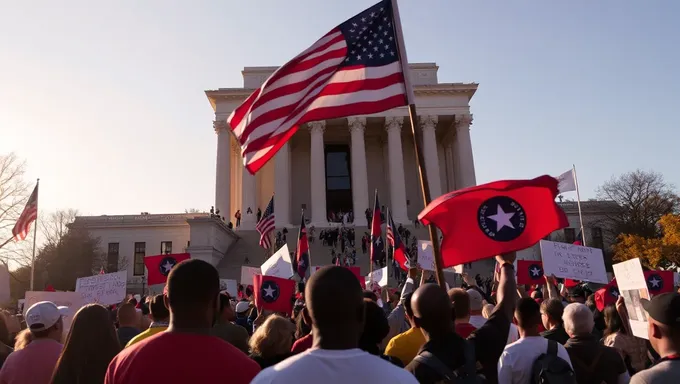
{"x": 105, "y": 100}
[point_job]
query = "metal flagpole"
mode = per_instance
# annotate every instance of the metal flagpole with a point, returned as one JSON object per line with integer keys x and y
{"x": 35, "y": 233}
{"x": 418, "y": 143}
{"x": 578, "y": 202}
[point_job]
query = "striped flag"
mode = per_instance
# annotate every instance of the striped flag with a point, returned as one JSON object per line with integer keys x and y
{"x": 28, "y": 215}
{"x": 352, "y": 70}
{"x": 266, "y": 225}
{"x": 398, "y": 247}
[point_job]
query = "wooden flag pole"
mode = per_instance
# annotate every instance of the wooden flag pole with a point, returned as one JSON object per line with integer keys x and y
{"x": 418, "y": 143}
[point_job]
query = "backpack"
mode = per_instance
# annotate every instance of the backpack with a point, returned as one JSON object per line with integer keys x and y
{"x": 467, "y": 374}
{"x": 552, "y": 369}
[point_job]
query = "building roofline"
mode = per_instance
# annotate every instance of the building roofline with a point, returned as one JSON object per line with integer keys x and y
{"x": 239, "y": 94}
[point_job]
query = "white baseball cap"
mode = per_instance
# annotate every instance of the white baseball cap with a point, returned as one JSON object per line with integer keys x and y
{"x": 242, "y": 306}
{"x": 476, "y": 300}
{"x": 42, "y": 315}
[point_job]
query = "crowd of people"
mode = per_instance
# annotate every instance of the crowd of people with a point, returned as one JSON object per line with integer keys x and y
{"x": 482, "y": 332}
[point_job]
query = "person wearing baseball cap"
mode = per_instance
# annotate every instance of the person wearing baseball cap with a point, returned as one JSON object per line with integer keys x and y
{"x": 663, "y": 315}
{"x": 35, "y": 362}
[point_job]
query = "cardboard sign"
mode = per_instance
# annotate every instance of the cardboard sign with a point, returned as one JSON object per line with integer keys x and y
{"x": 230, "y": 286}
{"x": 279, "y": 264}
{"x": 633, "y": 286}
{"x": 247, "y": 274}
{"x": 72, "y": 300}
{"x": 378, "y": 276}
{"x": 104, "y": 289}
{"x": 425, "y": 255}
{"x": 573, "y": 262}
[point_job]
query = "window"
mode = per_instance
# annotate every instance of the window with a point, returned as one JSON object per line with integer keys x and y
{"x": 166, "y": 247}
{"x": 112, "y": 258}
{"x": 596, "y": 240}
{"x": 569, "y": 235}
{"x": 140, "y": 252}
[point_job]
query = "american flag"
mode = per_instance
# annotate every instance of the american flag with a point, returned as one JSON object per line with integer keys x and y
{"x": 29, "y": 214}
{"x": 353, "y": 70}
{"x": 266, "y": 225}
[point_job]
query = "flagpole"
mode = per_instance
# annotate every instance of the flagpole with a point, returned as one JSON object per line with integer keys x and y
{"x": 418, "y": 143}
{"x": 578, "y": 202}
{"x": 309, "y": 251}
{"x": 370, "y": 249}
{"x": 35, "y": 233}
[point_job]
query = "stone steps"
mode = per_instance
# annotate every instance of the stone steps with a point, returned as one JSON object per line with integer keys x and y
{"x": 248, "y": 245}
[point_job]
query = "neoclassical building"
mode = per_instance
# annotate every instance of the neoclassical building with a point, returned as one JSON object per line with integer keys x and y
{"x": 336, "y": 165}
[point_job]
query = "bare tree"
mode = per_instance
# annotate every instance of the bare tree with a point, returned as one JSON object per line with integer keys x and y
{"x": 643, "y": 198}
{"x": 54, "y": 226}
{"x": 13, "y": 196}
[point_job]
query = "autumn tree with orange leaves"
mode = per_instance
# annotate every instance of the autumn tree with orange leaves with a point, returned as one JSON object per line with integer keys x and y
{"x": 655, "y": 253}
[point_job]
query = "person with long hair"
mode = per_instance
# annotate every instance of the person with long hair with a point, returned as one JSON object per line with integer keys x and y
{"x": 23, "y": 339}
{"x": 90, "y": 346}
{"x": 272, "y": 341}
{"x": 632, "y": 350}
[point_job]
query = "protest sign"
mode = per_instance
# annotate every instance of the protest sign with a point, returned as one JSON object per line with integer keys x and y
{"x": 573, "y": 261}
{"x": 425, "y": 255}
{"x": 230, "y": 286}
{"x": 378, "y": 276}
{"x": 247, "y": 274}
{"x": 72, "y": 300}
{"x": 104, "y": 289}
{"x": 279, "y": 264}
{"x": 633, "y": 287}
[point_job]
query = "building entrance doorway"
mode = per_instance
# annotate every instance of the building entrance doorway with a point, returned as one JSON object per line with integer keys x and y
{"x": 338, "y": 180}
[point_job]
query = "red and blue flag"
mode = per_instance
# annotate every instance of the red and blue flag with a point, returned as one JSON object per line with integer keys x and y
{"x": 398, "y": 247}
{"x": 302, "y": 257}
{"x": 377, "y": 244}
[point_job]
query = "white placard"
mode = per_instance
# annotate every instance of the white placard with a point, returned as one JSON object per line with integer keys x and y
{"x": 279, "y": 264}
{"x": 247, "y": 274}
{"x": 72, "y": 300}
{"x": 573, "y": 261}
{"x": 633, "y": 287}
{"x": 230, "y": 286}
{"x": 425, "y": 255}
{"x": 378, "y": 276}
{"x": 104, "y": 289}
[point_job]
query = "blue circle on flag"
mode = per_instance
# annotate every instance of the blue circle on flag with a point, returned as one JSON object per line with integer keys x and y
{"x": 501, "y": 218}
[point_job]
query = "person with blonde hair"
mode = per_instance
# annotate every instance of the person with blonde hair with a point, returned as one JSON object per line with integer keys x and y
{"x": 23, "y": 339}
{"x": 272, "y": 341}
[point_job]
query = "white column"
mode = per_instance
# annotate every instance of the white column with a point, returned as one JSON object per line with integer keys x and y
{"x": 396, "y": 158}
{"x": 466, "y": 162}
{"x": 318, "y": 173}
{"x": 223, "y": 169}
{"x": 248, "y": 200}
{"x": 282, "y": 187}
{"x": 450, "y": 168}
{"x": 430, "y": 153}
{"x": 357, "y": 127}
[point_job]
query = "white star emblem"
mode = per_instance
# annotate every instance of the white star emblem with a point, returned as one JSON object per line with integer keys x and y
{"x": 358, "y": 57}
{"x": 655, "y": 282}
{"x": 370, "y": 55}
{"x": 502, "y": 219}
{"x": 382, "y": 55}
{"x": 363, "y": 49}
{"x": 167, "y": 266}
{"x": 377, "y": 241}
{"x": 615, "y": 293}
{"x": 363, "y": 19}
{"x": 375, "y": 49}
{"x": 535, "y": 271}
{"x": 269, "y": 291}
{"x": 372, "y": 14}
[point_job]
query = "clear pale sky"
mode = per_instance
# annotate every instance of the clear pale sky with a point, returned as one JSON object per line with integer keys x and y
{"x": 105, "y": 102}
